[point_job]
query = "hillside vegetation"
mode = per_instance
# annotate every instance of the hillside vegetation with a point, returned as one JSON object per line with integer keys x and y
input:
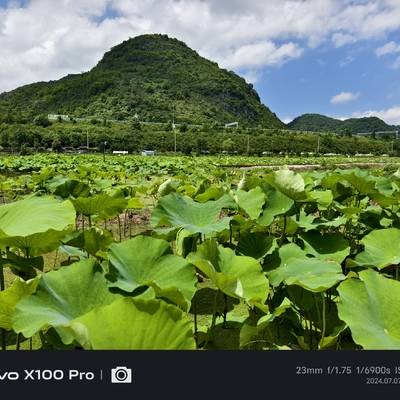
{"x": 321, "y": 123}
{"x": 145, "y": 77}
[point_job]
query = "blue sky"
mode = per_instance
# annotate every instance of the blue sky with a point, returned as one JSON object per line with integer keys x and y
{"x": 335, "y": 57}
{"x": 307, "y": 84}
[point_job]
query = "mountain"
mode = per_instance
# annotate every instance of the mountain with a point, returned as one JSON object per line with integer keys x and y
{"x": 321, "y": 123}
{"x": 147, "y": 75}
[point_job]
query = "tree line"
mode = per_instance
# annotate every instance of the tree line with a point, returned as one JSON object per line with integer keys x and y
{"x": 62, "y": 136}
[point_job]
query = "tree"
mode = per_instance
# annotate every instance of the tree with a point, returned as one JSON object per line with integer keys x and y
{"x": 56, "y": 145}
{"x": 42, "y": 120}
{"x": 228, "y": 145}
{"x": 135, "y": 125}
{"x": 24, "y": 150}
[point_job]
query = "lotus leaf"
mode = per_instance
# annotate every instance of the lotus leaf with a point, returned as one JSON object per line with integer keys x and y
{"x": 311, "y": 274}
{"x": 134, "y": 324}
{"x": 369, "y": 307}
{"x": 183, "y": 212}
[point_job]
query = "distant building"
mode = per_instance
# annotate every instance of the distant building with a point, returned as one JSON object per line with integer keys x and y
{"x": 120, "y": 152}
{"x": 55, "y": 117}
{"x": 68, "y": 150}
{"x": 232, "y": 125}
{"x": 148, "y": 153}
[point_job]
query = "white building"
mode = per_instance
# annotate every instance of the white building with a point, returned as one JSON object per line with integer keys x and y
{"x": 148, "y": 153}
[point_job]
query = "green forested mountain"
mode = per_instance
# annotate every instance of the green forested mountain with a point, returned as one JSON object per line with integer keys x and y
{"x": 321, "y": 123}
{"x": 146, "y": 75}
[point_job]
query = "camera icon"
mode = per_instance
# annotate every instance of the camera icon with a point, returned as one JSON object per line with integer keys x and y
{"x": 121, "y": 375}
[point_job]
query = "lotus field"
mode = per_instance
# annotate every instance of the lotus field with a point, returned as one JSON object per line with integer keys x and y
{"x": 179, "y": 253}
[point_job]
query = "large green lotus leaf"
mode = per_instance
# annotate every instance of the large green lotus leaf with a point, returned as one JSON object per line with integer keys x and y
{"x": 92, "y": 240}
{"x": 183, "y": 212}
{"x": 134, "y": 324}
{"x": 311, "y": 274}
{"x": 135, "y": 203}
{"x": 169, "y": 186}
{"x": 310, "y": 222}
{"x": 237, "y": 276}
{"x": 11, "y": 296}
{"x": 101, "y": 205}
{"x": 256, "y": 245}
{"x": 362, "y": 181}
{"x": 330, "y": 181}
{"x": 384, "y": 185}
{"x": 324, "y": 198}
{"x": 251, "y": 202}
{"x": 71, "y": 251}
{"x": 249, "y": 182}
{"x": 369, "y": 307}
{"x": 328, "y": 246}
{"x": 65, "y": 187}
{"x": 35, "y": 215}
{"x": 277, "y": 204}
{"x": 212, "y": 193}
{"x": 383, "y": 200}
{"x": 145, "y": 261}
{"x": 290, "y": 184}
{"x": 381, "y": 248}
{"x": 36, "y": 244}
{"x": 62, "y": 296}
{"x": 187, "y": 190}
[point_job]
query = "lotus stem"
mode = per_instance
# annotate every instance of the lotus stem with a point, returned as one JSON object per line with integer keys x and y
{"x": 2, "y": 284}
{"x": 316, "y": 306}
{"x": 214, "y": 318}
{"x": 18, "y": 344}
{"x": 55, "y": 259}
{"x": 225, "y": 309}
{"x": 195, "y": 322}
{"x": 119, "y": 229}
{"x": 323, "y": 317}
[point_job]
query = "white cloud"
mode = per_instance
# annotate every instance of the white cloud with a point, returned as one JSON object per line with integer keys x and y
{"x": 262, "y": 54}
{"x": 47, "y": 39}
{"x": 340, "y": 39}
{"x": 388, "y": 48}
{"x": 391, "y": 115}
{"x": 344, "y": 97}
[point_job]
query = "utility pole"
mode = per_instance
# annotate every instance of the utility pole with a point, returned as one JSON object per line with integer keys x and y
{"x": 248, "y": 144}
{"x": 174, "y": 141}
{"x": 173, "y": 125}
{"x": 87, "y": 138}
{"x": 173, "y": 116}
{"x": 104, "y": 151}
{"x": 318, "y": 144}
